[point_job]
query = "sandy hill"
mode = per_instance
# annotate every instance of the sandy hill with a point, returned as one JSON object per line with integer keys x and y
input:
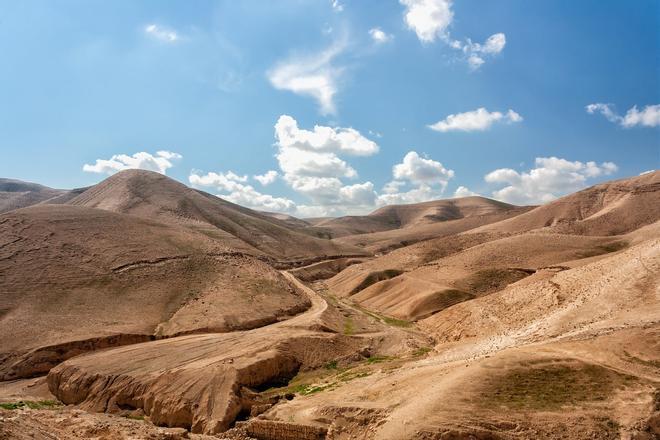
{"x": 74, "y": 279}
{"x": 417, "y": 214}
{"x": 610, "y": 208}
{"x": 151, "y": 195}
{"x": 15, "y": 194}
{"x": 478, "y": 321}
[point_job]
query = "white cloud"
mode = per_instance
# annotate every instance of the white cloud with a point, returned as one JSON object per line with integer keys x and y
{"x": 313, "y": 76}
{"x": 475, "y": 61}
{"x": 476, "y": 52}
{"x": 322, "y": 138}
{"x": 431, "y": 19}
{"x": 476, "y": 120}
{"x": 248, "y": 196}
{"x": 314, "y": 153}
{"x": 311, "y": 166}
{"x": 234, "y": 189}
{"x": 647, "y": 117}
{"x": 161, "y": 33}
{"x": 551, "y": 178}
{"x": 646, "y": 172}
{"x": 421, "y": 193}
{"x": 428, "y": 177}
{"x": 295, "y": 162}
{"x": 417, "y": 169}
{"x": 228, "y": 181}
{"x": 428, "y": 18}
{"x": 393, "y": 186}
{"x": 336, "y": 5}
{"x": 463, "y": 191}
{"x": 160, "y": 162}
{"x": 379, "y": 36}
{"x": 267, "y": 178}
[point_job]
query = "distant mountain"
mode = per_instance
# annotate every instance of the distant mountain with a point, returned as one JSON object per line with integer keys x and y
{"x": 15, "y": 194}
{"x": 393, "y": 217}
{"x": 157, "y": 197}
{"x": 610, "y": 208}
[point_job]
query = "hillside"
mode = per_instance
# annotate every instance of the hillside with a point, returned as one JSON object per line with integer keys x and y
{"x": 393, "y": 217}
{"x": 80, "y": 279}
{"x": 147, "y": 300}
{"x": 154, "y": 196}
{"x": 15, "y": 194}
{"x": 611, "y": 208}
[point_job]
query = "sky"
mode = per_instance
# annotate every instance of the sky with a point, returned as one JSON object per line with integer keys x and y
{"x": 332, "y": 107}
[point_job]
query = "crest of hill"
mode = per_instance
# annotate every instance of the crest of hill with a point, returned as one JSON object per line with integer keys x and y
{"x": 393, "y": 217}
{"x": 16, "y": 194}
{"x": 152, "y": 195}
{"x": 610, "y": 208}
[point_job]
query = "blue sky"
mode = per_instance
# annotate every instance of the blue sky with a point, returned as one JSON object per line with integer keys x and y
{"x": 210, "y": 82}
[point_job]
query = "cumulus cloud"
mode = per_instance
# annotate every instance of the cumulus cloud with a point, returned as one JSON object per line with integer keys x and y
{"x": 267, "y": 178}
{"x": 314, "y": 153}
{"x": 425, "y": 178}
{"x": 476, "y": 120}
{"x": 379, "y": 36}
{"x": 228, "y": 181}
{"x": 417, "y": 169}
{"x": 649, "y": 116}
{"x": 431, "y": 19}
{"x": 311, "y": 166}
{"x": 463, "y": 191}
{"x": 160, "y": 33}
{"x": 322, "y": 138}
{"x": 551, "y": 178}
{"x": 315, "y": 76}
{"x": 160, "y": 162}
{"x": 232, "y": 187}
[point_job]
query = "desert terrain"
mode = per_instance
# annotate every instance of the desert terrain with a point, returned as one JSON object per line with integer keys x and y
{"x": 142, "y": 308}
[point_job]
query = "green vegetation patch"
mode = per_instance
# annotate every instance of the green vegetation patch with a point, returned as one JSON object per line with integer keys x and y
{"x": 551, "y": 387}
{"x": 375, "y": 277}
{"x": 378, "y": 359}
{"x": 386, "y": 319}
{"x": 348, "y": 327}
{"x": 421, "y": 351}
{"x": 41, "y": 404}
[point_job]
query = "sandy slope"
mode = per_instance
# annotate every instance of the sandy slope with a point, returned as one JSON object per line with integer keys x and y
{"x": 417, "y": 214}
{"x": 543, "y": 324}
{"x": 157, "y": 197}
{"x": 198, "y": 381}
{"x": 15, "y": 194}
{"x": 587, "y": 339}
{"x": 609, "y": 208}
{"x": 89, "y": 278}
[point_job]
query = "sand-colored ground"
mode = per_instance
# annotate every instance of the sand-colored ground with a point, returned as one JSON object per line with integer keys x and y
{"x": 473, "y": 320}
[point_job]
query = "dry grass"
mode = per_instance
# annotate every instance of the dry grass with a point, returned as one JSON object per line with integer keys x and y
{"x": 552, "y": 387}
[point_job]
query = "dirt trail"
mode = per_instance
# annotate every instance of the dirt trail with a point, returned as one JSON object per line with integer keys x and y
{"x": 200, "y": 382}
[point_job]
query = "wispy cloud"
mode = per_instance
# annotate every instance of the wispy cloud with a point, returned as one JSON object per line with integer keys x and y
{"x": 649, "y": 116}
{"x": 315, "y": 76}
{"x": 476, "y": 120}
{"x": 337, "y": 6}
{"x": 161, "y": 33}
{"x": 379, "y": 36}
{"x": 431, "y": 20}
